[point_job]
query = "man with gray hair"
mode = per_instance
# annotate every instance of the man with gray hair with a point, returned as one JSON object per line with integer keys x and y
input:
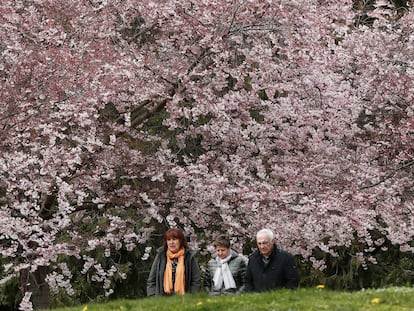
{"x": 270, "y": 267}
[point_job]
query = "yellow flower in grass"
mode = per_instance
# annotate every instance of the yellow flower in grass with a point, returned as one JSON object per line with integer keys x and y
{"x": 85, "y": 308}
{"x": 199, "y": 303}
{"x": 320, "y": 286}
{"x": 375, "y": 300}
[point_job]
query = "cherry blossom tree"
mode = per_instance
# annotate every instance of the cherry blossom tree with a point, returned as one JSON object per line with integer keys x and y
{"x": 211, "y": 115}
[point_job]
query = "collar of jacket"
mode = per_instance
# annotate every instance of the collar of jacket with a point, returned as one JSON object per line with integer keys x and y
{"x": 258, "y": 254}
{"x": 187, "y": 252}
{"x": 233, "y": 254}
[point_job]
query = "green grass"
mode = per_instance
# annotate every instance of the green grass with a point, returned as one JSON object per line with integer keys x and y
{"x": 393, "y": 298}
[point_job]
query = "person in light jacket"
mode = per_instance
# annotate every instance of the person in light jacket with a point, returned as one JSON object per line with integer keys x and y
{"x": 270, "y": 267}
{"x": 175, "y": 270}
{"x": 225, "y": 273}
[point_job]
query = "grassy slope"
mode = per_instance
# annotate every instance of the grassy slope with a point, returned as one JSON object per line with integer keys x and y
{"x": 302, "y": 299}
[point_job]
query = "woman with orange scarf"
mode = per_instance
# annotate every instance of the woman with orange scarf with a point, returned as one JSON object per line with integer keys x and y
{"x": 175, "y": 270}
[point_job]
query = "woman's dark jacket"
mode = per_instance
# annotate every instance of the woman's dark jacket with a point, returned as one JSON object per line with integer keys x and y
{"x": 280, "y": 272}
{"x": 155, "y": 282}
{"x": 237, "y": 266}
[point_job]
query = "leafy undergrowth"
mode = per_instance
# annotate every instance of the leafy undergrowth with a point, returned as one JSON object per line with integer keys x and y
{"x": 393, "y": 298}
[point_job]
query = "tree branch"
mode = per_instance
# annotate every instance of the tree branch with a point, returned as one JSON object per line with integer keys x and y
{"x": 388, "y": 176}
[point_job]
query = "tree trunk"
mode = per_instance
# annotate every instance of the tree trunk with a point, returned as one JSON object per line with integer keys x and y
{"x": 35, "y": 283}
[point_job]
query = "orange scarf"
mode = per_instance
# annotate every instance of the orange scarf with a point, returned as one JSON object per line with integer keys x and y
{"x": 179, "y": 285}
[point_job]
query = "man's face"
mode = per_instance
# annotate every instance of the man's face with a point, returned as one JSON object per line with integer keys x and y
{"x": 265, "y": 245}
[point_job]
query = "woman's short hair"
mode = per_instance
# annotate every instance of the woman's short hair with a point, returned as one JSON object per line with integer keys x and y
{"x": 222, "y": 240}
{"x": 177, "y": 234}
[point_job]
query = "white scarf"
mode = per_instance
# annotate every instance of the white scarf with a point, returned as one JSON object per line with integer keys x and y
{"x": 223, "y": 274}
